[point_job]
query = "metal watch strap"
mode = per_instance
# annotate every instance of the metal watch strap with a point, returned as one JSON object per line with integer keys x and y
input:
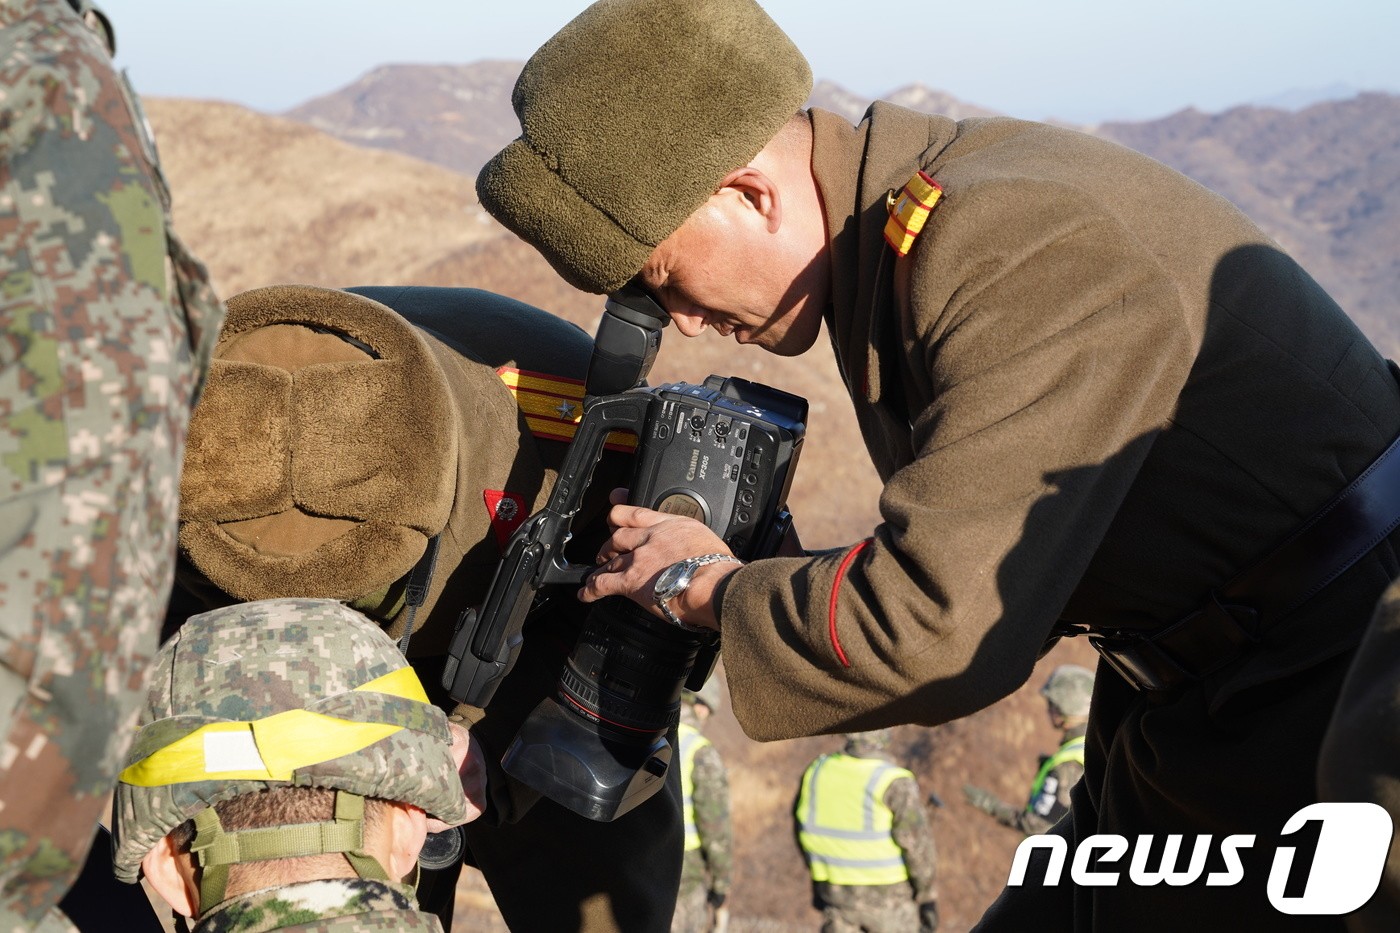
{"x": 695, "y": 563}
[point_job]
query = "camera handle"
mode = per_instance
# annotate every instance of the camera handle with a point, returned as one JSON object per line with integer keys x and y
{"x": 487, "y": 642}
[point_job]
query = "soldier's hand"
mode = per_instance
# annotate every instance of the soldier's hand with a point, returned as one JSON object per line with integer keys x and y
{"x": 471, "y": 767}
{"x": 928, "y": 917}
{"x": 983, "y": 800}
{"x": 646, "y": 542}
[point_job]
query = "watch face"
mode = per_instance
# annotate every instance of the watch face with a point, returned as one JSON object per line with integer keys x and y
{"x": 670, "y": 580}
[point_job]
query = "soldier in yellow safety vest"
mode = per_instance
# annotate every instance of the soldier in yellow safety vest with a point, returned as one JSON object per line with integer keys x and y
{"x": 1067, "y": 695}
{"x": 709, "y": 837}
{"x": 864, "y": 830}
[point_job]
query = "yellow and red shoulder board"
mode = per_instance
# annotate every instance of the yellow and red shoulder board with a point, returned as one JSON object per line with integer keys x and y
{"x": 553, "y": 406}
{"x": 908, "y": 211}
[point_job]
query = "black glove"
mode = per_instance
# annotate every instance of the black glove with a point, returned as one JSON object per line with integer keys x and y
{"x": 716, "y": 899}
{"x": 928, "y": 917}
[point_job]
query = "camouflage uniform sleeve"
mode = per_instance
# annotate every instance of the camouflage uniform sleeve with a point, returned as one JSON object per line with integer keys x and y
{"x": 711, "y": 798}
{"x": 97, "y": 375}
{"x": 1064, "y": 776}
{"x": 913, "y": 833}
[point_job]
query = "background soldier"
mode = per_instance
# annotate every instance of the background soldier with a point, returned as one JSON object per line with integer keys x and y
{"x": 370, "y": 444}
{"x": 1067, "y": 693}
{"x": 105, "y": 327}
{"x": 863, "y": 828}
{"x": 709, "y": 836}
{"x": 285, "y": 767}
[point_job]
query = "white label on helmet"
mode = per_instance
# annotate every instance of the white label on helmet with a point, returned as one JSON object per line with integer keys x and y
{"x": 231, "y": 751}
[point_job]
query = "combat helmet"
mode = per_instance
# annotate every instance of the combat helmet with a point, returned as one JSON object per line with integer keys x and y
{"x": 874, "y": 742}
{"x": 285, "y": 692}
{"x": 1069, "y": 690}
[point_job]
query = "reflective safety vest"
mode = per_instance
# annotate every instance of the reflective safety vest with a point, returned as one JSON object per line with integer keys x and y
{"x": 843, "y": 823}
{"x": 691, "y": 741}
{"x": 1071, "y": 750}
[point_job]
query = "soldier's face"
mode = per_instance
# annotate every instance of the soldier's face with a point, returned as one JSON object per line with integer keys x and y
{"x": 728, "y": 268}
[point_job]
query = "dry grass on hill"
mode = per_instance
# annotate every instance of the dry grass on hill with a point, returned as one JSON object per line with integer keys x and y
{"x": 264, "y": 201}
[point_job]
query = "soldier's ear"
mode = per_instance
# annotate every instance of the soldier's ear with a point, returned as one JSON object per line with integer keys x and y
{"x": 406, "y": 828}
{"x": 759, "y": 192}
{"x": 171, "y": 873}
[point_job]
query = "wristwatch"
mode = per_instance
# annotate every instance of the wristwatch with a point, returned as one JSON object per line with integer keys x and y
{"x": 675, "y": 580}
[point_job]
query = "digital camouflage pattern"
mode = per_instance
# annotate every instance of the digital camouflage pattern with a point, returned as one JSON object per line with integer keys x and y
{"x": 342, "y": 905}
{"x": 1045, "y": 808}
{"x": 105, "y": 323}
{"x": 254, "y": 660}
{"x": 706, "y": 871}
{"x": 887, "y": 908}
{"x": 1069, "y": 689}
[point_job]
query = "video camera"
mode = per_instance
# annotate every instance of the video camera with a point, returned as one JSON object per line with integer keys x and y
{"x": 722, "y": 452}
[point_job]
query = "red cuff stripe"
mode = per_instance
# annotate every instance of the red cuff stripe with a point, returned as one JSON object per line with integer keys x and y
{"x": 835, "y": 589}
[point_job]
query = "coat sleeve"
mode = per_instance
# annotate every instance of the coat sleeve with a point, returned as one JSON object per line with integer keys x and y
{"x": 1045, "y": 348}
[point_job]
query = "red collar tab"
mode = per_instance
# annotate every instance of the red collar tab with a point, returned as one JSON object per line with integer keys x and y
{"x": 909, "y": 209}
{"x": 506, "y": 511}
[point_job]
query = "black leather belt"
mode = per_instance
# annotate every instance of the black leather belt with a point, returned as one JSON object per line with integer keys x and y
{"x": 1238, "y": 613}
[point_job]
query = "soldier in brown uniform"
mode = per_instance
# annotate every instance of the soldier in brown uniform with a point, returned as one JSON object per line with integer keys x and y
{"x": 1098, "y": 395}
{"x": 1067, "y": 694}
{"x": 342, "y": 435}
{"x": 105, "y": 327}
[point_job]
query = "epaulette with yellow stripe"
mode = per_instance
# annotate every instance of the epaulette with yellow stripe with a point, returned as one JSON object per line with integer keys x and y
{"x": 553, "y": 406}
{"x": 909, "y": 209}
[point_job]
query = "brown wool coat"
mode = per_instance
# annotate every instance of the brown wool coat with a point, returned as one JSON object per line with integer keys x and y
{"x": 1094, "y": 391}
{"x": 1361, "y": 753}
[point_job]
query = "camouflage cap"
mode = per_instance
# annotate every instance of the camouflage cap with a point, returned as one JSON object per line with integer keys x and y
{"x": 630, "y": 117}
{"x": 1069, "y": 690}
{"x": 299, "y": 692}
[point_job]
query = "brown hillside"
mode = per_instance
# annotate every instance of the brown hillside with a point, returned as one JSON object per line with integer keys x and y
{"x": 456, "y": 116}
{"x": 265, "y": 200}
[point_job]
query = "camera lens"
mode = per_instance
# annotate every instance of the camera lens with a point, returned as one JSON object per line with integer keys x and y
{"x": 626, "y": 671}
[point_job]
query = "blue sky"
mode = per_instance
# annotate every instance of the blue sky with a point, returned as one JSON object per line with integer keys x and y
{"x": 1079, "y": 60}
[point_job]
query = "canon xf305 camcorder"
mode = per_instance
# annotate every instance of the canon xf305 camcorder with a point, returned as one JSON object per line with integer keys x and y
{"x": 722, "y": 452}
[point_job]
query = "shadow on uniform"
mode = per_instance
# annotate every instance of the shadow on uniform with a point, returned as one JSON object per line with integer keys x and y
{"x": 1278, "y": 414}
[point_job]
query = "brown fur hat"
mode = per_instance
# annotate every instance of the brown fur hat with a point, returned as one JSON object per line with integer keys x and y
{"x": 323, "y": 454}
{"x": 630, "y": 117}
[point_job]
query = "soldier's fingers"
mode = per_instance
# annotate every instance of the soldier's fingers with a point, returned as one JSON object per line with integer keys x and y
{"x": 618, "y": 496}
{"x": 623, "y": 541}
{"x": 620, "y": 576}
{"x": 634, "y": 516}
